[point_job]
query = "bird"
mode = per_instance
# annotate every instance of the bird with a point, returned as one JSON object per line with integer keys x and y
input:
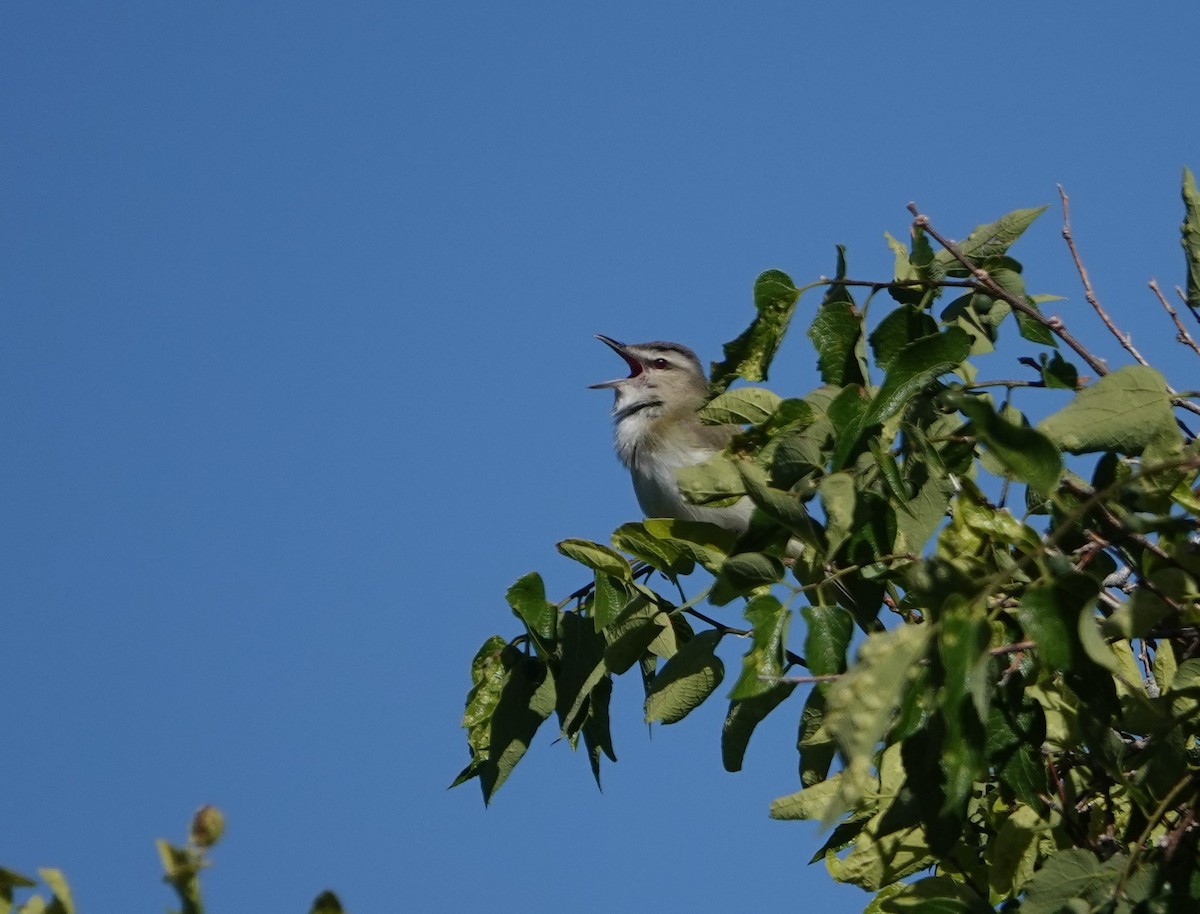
{"x": 657, "y": 430}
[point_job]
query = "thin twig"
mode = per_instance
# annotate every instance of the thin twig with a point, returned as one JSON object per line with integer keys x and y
{"x": 1191, "y": 309}
{"x": 1054, "y": 323}
{"x": 985, "y": 283}
{"x": 1183, "y": 336}
{"x": 1125, "y": 339}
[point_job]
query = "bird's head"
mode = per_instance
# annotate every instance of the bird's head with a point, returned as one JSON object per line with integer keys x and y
{"x": 663, "y": 377}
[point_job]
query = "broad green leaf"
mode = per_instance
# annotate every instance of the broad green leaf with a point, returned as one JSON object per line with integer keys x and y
{"x": 705, "y": 543}
{"x": 744, "y": 715}
{"x": 743, "y": 573}
{"x": 527, "y": 597}
{"x": 630, "y": 637}
{"x": 581, "y": 666}
{"x": 875, "y": 862}
{"x": 686, "y": 680}
{"x": 749, "y": 356}
{"x": 828, "y": 636}
{"x": 12, "y": 880}
{"x": 913, "y": 369}
{"x": 1052, "y": 622}
{"x": 915, "y": 366}
{"x": 714, "y": 482}
{"x": 744, "y": 406}
{"x": 764, "y": 662}
{"x": 990, "y": 240}
{"x": 1123, "y": 411}
{"x": 1032, "y": 329}
{"x": 1190, "y": 240}
{"x": 932, "y": 895}
{"x": 838, "y": 494}
{"x": 1026, "y": 453}
{"x": 661, "y": 554}
{"x": 1014, "y": 851}
{"x": 610, "y": 598}
{"x": 813, "y": 741}
{"x": 597, "y": 734}
{"x": 525, "y": 699}
{"x": 809, "y": 803}
{"x": 786, "y": 508}
{"x": 597, "y": 557}
{"x": 837, "y": 332}
{"x": 1069, "y": 874}
{"x": 488, "y": 675}
{"x": 901, "y": 327}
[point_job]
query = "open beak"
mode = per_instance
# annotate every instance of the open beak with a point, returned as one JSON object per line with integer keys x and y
{"x": 635, "y": 367}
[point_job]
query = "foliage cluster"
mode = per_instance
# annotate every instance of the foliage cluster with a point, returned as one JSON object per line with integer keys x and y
{"x": 990, "y": 640}
{"x": 182, "y": 866}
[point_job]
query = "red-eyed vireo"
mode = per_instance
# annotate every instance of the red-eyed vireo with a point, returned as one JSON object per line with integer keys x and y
{"x": 657, "y": 430}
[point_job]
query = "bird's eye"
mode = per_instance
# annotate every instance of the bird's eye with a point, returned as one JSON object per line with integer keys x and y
{"x": 660, "y": 363}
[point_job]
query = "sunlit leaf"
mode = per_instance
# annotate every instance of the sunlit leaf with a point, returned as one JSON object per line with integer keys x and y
{"x": 749, "y": 356}
{"x": 686, "y": 680}
{"x": 1123, "y": 412}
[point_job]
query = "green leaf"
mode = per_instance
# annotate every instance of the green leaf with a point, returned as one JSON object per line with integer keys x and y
{"x": 990, "y": 240}
{"x": 785, "y": 508}
{"x": 932, "y": 895}
{"x": 1190, "y": 230}
{"x": 661, "y": 554}
{"x": 916, "y": 366}
{"x": 809, "y": 803}
{"x": 705, "y": 543}
{"x": 597, "y": 734}
{"x": 743, "y": 573}
{"x": 1123, "y": 411}
{"x": 813, "y": 741}
{"x": 597, "y": 557}
{"x": 837, "y": 332}
{"x": 714, "y": 482}
{"x": 10, "y": 880}
{"x": 744, "y": 406}
{"x": 899, "y": 328}
{"x": 62, "y": 902}
{"x": 686, "y": 680}
{"x": 609, "y": 599}
{"x": 1026, "y": 453}
{"x": 326, "y": 903}
{"x": 1032, "y": 329}
{"x": 764, "y": 662}
{"x": 749, "y": 356}
{"x": 523, "y": 692}
{"x": 629, "y": 638}
{"x": 1070, "y": 874}
{"x": 1052, "y": 624}
{"x": 744, "y": 715}
{"x": 581, "y": 667}
{"x": 527, "y": 597}
{"x": 828, "y": 636}
{"x": 913, "y": 369}
{"x": 1058, "y": 373}
{"x": 488, "y": 675}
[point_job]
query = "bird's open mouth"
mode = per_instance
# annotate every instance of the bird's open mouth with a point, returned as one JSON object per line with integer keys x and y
{"x": 635, "y": 367}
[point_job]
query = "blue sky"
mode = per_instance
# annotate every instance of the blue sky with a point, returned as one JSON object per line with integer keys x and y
{"x": 296, "y": 315}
